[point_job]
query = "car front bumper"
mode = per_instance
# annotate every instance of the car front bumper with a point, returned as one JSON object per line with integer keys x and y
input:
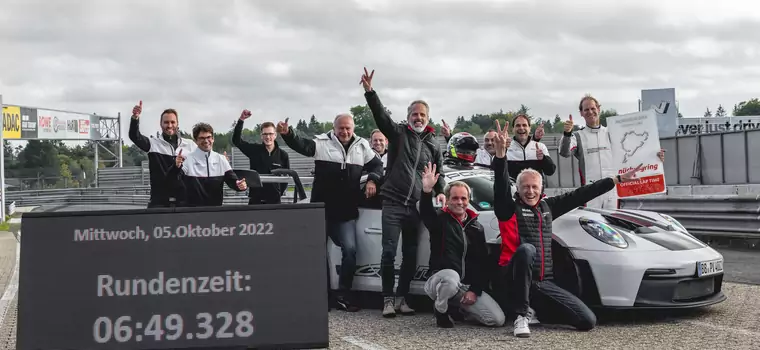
{"x": 653, "y": 279}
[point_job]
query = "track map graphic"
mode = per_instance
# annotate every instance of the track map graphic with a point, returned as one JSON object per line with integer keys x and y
{"x": 632, "y": 142}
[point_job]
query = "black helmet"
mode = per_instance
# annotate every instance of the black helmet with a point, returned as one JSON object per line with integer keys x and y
{"x": 463, "y": 147}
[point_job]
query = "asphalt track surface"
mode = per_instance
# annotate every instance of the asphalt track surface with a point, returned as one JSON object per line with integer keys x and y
{"x": 733, "y": 324}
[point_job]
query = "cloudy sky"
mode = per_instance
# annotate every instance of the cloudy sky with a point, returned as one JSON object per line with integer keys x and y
{"x": 288, "y": 58}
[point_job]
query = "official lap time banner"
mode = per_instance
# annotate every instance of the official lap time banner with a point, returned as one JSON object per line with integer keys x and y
{"x": 184, "y": 278}
{"x": 635, "y": 140}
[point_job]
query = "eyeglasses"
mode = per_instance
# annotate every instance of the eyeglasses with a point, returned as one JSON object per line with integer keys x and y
{"x": 268, "y": 134}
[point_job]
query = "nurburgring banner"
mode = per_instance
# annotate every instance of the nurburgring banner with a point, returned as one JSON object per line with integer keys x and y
{"x": 635, "y": 140}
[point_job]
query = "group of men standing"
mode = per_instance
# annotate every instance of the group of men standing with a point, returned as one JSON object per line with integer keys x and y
{"x": 403, "y": 162}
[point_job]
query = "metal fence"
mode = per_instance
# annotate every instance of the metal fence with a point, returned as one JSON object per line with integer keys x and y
{"x": 708, "y": 159}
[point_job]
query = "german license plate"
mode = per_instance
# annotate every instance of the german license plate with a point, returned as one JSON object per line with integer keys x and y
{"x": 708, "y": 268}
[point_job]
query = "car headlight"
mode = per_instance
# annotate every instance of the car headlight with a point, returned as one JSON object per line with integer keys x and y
{"x": 603, "y": 232}
{"x": 674, "y": 222}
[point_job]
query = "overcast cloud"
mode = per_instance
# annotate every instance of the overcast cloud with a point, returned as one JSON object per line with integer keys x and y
{"x": 287, "y": 58}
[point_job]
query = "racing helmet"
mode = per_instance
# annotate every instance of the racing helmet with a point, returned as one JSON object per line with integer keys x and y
{"x": 462, "y": 147}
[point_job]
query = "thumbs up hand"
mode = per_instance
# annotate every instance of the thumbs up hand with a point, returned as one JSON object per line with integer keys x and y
{"x": 136, "y": 110}
{"x": 569, "y": 124}
{"x": 179, "y": 160}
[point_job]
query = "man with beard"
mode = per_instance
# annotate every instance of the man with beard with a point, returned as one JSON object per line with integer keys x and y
{"x": 263, "y": 157}
{"x": 161, "y": 154}
{"x": 340, "y": 156}
{"x": 380, "y": 145}
{"x": 591, "y": 145}
{"x": 526, "y": 152}
{"x": 411, "y": 146}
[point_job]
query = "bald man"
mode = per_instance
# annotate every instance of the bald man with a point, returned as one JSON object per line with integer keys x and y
{"x": 339, "y": 159}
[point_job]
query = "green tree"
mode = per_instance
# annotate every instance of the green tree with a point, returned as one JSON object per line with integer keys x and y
{"x": 747, "y": 108}
{"x": 720, "y": 112}
{"x": 604, "y": 114}
{"x": 708, "y": 114}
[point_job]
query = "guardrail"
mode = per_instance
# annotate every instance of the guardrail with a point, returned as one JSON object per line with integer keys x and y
{"x": 721, "y": 216}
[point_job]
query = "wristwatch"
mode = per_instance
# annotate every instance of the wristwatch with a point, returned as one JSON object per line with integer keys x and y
{"x": 620, "y": 179}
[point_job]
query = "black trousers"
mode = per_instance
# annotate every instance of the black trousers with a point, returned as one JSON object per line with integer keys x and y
{"x": 399, "y": 221}
{"x": 264, "y": 195}
{"x": 553, "y": 305}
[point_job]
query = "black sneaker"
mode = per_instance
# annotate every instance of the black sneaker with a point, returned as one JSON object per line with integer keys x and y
{"x": 443, "y": 320}
{"x": 343, "y": 304}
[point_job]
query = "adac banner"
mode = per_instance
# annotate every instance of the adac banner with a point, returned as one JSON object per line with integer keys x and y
{"x": 58, "y": 125}
{"x": 19, "y": 123}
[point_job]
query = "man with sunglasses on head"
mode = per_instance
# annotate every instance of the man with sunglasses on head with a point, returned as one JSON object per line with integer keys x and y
{"x": 264, "y": 157}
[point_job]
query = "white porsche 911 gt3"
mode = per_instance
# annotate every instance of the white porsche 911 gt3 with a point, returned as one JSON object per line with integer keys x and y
{"x": 610, "y": 259}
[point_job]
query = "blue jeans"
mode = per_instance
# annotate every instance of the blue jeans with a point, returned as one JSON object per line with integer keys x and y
{"x": 343, "y": 234}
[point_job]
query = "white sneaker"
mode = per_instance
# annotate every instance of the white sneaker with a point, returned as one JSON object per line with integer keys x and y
{"x": 388, "y": 309}
{"x": 531, "y": 316}
{"x": 521, "y": 327}
{"x": 403, "y": 308}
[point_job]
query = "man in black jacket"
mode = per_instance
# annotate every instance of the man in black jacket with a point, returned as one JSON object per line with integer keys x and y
{"x": 525, "y": 276}
{"x": 339, "y": 159}
{"x": 161, "y": 154}
{"x": 458, "y": 255}
{"x": 411, "y": 145}
{"x": 263, "y": 157}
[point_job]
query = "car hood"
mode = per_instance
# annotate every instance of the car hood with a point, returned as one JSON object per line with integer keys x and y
{"x": 644, "y": 230}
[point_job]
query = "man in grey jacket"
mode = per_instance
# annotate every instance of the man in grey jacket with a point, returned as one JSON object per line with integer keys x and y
{"x": 411, "y": 146}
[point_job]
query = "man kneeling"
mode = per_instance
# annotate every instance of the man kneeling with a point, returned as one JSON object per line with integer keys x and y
{"x": 525, "y": 275}
{"x": 458, "y": 256}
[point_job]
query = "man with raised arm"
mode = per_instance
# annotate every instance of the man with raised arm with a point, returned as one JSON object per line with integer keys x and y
{"x": 526, "y": 152}
{"x": 162, "y": 152}
{"x": 263, "y": 157}
{"x": 592, "y": 147}
{"x": 525, "y": 276}
{"x": 202, "y": 173}
{"x": 340, "y": 156}
{"x": 458, "y": 255}
{"x": 485, "y": 154}
{"x": 411, "y": 146}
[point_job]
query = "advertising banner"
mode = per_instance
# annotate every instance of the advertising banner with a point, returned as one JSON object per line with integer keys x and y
{"x": 28, "y": 123}
{"x": 11, "y": 122}
{"x": 663, "y": 102}
{"x": 695, "y": 126}
{"x": 233, "y": 276}
{"x": 56, "y": 125}
{"x": 634, "y": 139}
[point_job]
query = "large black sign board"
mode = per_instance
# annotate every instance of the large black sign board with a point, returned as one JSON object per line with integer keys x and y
{"x": 174, "y": 278}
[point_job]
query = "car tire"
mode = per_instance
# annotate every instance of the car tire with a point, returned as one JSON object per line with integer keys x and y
{"x": 566, "y": 272}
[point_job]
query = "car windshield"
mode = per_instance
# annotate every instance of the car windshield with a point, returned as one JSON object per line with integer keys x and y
{"x": 482, "y": 192}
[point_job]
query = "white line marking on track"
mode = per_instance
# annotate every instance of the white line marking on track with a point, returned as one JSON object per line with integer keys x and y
{"x": 725, "y": 328}
{"x": 362, "y": 343}
{"x": 12, "y": 288}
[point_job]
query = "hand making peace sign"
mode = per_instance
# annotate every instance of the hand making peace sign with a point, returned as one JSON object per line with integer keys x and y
{"x": 367, "y": 80}
{"x": 500, "y": 141}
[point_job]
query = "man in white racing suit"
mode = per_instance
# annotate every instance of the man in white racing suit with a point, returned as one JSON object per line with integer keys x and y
{"x": 591, "y": 145}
